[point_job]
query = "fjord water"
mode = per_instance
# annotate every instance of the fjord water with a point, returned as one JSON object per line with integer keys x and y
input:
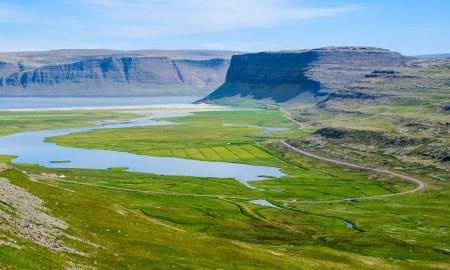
{"x": 31, "y": 148}
{"x": 9, "y": 103}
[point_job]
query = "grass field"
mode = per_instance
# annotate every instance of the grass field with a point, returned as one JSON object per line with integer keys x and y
{"x": 142, "y": 231}
{"x": 204, "y": 136}
{"x": 19, "y": 121}
{"x": 147, "y": 221}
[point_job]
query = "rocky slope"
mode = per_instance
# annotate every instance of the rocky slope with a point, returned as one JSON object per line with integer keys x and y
{"x": 105, "y": 72}
{"x": 421, "y": 82}
{"x": 25, "y": 217}
{"x": 284, "y": 75}
{"x": 397, "y": 117}
{"x": 441, "y": 56}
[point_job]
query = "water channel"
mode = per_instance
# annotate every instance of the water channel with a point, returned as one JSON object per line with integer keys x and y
{"x": 31, "y": 148}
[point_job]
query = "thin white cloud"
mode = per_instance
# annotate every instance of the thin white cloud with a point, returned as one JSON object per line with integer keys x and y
{"x": 138, "y": 18}
{"x": 140, "y": 23}
{"x": 11, "y": 15}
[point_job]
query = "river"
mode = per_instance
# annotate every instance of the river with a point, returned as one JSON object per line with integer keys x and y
{"x": 31, "y": 148}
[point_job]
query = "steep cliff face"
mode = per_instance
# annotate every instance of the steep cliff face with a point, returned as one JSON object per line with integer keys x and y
{"x": 114, "y": 75}
{"x": 7, "y": 68}
{"x": 280, "y": 76}
{"x": 284, "y": 75}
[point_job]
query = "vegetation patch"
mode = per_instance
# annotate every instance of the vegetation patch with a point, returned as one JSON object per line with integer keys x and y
{"x": 6, "y": 159}
{"x": 59, "y": 161}
{"x": 15, "y": 122}
{"x": 204, "y": 136}
{"x": 118, "y": 169}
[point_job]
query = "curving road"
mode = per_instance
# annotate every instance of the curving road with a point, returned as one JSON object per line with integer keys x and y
{"x": 288, "y": 116}
{"x": 419, "y": 184}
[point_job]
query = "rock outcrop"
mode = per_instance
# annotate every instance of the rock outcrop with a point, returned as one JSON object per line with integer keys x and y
{"x": 410, "y": 82}
{"x": 284, "y": 75}
{"x": 112, "y": 74}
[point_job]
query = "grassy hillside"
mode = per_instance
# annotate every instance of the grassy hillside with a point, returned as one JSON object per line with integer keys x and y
{"x": 145, "y": 221}
{"x": 397, "y": 118}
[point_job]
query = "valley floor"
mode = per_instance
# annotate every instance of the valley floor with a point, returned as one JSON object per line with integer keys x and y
{"x": 114, "y": 219}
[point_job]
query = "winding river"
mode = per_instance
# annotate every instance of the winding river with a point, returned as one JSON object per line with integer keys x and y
{"x": 30, "y": 147}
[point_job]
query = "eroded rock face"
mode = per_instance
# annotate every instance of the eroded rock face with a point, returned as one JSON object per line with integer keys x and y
{"x": 284, "y": 75}
{"x": 116, "y": 74}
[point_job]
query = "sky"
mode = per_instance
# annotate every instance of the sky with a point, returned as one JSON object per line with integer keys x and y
{"x": 411, "y": 27}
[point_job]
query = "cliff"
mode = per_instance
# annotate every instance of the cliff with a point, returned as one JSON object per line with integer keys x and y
{"x": 105, "y": 72}
{"x": 284, "y": 75}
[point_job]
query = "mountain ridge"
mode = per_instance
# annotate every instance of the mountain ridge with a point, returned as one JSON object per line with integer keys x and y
{"x": 109, "y": 72}
{"x": 284, "y": 75}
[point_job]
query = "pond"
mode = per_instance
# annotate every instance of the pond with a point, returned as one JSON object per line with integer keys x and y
{"x": 264, "y": 203}
{"x": 31, "y": 148}
{"x": 348, "y": 224}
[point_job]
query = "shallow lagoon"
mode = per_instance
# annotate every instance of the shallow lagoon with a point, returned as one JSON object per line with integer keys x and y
{"x": 31, "y": 148}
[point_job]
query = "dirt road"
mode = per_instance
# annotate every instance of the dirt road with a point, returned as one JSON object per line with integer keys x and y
{"x": 419, "y": 184}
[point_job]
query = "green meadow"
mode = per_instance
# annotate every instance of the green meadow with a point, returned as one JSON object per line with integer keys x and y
{"x": 20, "y": 121}
{"x": 203, "y": 136}
{"x": 149, "y": 221}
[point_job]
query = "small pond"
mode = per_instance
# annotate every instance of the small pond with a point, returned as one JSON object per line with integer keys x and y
{"x": 348, "y": 224}
{"x": 264, "y": 203}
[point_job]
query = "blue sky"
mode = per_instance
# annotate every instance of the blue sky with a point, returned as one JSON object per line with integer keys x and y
{"x": 412, "y": 27}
